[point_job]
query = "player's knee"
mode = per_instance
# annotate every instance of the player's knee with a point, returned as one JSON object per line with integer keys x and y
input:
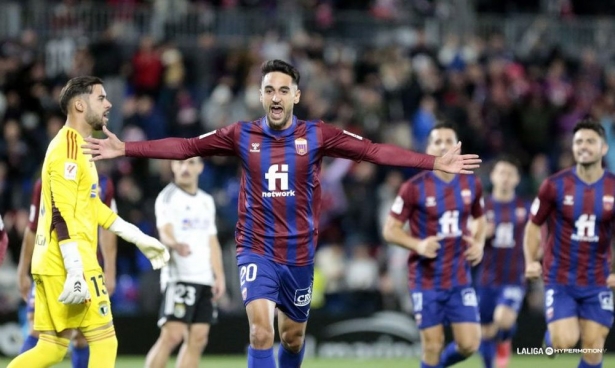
{"x": 433, "y": 347}
{"x": 564, "y": 341}
{"x": 292, "y": 342}
{"x": 261, "y": 336}
{"x": 171, "y": 338}
{"x": 468, "y": 346}
{"x": 198, "y": 341}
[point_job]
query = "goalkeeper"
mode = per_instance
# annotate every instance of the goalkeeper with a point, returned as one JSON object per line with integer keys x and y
{"x": 69, "y": 282}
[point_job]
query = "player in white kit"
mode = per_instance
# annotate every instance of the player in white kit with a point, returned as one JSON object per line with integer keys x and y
{"x": 194, "y": 277}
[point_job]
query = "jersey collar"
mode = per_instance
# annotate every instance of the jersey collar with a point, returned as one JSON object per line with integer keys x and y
{"x": 278, "y": 133}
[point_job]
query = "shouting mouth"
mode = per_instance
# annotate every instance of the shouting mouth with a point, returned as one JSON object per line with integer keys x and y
{"x": 277, "y": 112}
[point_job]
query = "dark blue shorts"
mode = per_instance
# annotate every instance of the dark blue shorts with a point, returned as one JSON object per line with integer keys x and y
{"x": 489, "y": 298}
{"x": 290, "y": 287}
{"x": 594, "y": 303}
{"x": 436, "y": 307}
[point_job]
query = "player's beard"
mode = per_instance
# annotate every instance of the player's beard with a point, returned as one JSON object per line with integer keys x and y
{"x": 95, "y": 121}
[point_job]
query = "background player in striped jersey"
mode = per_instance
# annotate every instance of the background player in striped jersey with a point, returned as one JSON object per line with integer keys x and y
{"x": 500, "y": 284}
{"x": 194, "y": 277}
{"x": 80, "y": 352}
{"x": 439, "y": 206}
{"x": 577, "y": 205}
{"x": 279, "y": 202}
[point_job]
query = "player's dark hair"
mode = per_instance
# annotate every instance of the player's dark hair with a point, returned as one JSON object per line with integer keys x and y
{"x": 443, "y": 124}
{"x": 75, "y": 87}
{"x": 590, "y": 124}
{"x": 282, "y": 67}
{"x": 509, "y": 159}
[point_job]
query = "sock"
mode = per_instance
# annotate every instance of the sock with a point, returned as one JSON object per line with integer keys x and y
{"x": 103, "y": 347}
{"x": 548, "y": 342}
{"x": 425, "y": 365}
{"x": 258, "y": 358}
{"x": 28, "y": 343}
{"x": 289, "y": 359}
{"x": 487, "y": 351}
{"x": 451, "y": 356}
{"x": 49, "y": 350}
{"x": 80, "y": 356}
{"x": 584, "y": 364}
{"x": 504, "y": 335}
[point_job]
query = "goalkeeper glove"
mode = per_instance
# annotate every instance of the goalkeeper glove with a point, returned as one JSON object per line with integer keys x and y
{"x": 153, "y": 249}
{"x": 75, "y": 288}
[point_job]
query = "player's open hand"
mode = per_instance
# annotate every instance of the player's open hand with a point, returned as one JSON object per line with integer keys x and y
{"x": 429, "y": 246}
{"x": 454, "y": 162}
{"x": 474, "y": 253}
{"x": 533, "y": 270}
{"x": 610, "y": 281}
{"x": 153, "y": 249}
{"x": 75, "y": 289}
{"x": 101, "y": 149}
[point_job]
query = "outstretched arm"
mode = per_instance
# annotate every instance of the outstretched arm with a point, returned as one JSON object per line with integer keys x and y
{"x": 218, "y": 142}
{"x": 341, "y": 143}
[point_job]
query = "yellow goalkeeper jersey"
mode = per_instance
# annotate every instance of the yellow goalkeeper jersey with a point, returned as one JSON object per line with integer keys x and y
{"x": 70, "y": 208}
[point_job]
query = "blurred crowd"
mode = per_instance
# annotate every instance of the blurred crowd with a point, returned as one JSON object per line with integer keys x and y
{"x": 500, "y": 102}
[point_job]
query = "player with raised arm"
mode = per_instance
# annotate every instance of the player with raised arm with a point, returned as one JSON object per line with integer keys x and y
{"x": 194, "y": 277}
{"x": 69, "y": 282}
{"x": 438, "y": 207}
{"x": 577, "y": 206}
{"x": 80, "y": 352}
{"x": 500, "y": 284}
{"x": 279, "y": 202}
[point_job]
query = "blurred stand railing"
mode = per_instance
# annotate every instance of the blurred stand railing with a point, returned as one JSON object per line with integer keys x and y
{"x": 183, "y": 23}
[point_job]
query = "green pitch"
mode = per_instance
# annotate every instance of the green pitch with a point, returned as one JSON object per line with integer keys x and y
{"x": 240, "y": 362}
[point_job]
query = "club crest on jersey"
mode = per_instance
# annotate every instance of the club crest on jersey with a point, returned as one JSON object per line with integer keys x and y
{"x": 607, "y": 202}
{"x": 301, "y": 146}
{"x": 520, "y": 212}
{"x": 466, "y": 195}
{"x": 103, "y": 308}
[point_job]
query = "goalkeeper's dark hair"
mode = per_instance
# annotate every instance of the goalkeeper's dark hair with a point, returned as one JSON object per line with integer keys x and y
{"x": 281, "y": 66}
{"x": 75, "y": 87}
{"x": 591, "y": 124}
{"x": 508, "y": 159}
{"x": 444, "y": 124}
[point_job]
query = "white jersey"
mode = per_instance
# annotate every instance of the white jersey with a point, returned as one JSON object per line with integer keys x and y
{"x": 193, "y": 218}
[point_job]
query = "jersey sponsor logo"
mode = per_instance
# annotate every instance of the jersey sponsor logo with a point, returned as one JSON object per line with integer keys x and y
{"x": 398, "y": 205}
{"x": 303, "y": 297}
{"x": 207, "y": 134}
{"x": 504, "y": 235}
{"x": 468, "y": 298}
{"x": 70, "y": 171}
{"x": 255, "y": 147}
{"x": 606, "y": 300}
{"x": 430, "y": 201}
{"x": 568, "y": 200}
{"x": 449, "y": 224}
{"x": 607, "y": 202}
{"x": 586, "y": 229}
{"x": 301, "y": 146}
{"x": 535, "y": 207}
{"x": 353, "y": 135}
{"x": 277, "y": 182}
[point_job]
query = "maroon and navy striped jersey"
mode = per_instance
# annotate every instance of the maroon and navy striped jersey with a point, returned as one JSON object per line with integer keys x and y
{"x": 503, "y": 262}
{"x": 580, "y": 218}
{"x": 435, "y": 207}
{"x": 279, "y": 202}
